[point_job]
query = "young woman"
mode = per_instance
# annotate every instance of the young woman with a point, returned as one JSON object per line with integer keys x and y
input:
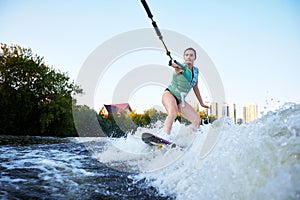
{"x": 184, "y": 79}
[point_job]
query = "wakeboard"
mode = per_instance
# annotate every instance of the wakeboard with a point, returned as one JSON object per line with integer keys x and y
{"x": 154, "y": 140}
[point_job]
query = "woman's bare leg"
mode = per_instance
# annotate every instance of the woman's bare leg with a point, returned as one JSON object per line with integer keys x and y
{"x": 191, "y": 115}
{"x": 170, "y": 105}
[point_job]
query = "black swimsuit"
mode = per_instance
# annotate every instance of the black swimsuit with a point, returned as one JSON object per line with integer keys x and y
{"x": 177, "y": 100}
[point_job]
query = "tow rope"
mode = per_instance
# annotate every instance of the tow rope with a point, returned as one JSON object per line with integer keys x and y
{"x": 159, "y": 34}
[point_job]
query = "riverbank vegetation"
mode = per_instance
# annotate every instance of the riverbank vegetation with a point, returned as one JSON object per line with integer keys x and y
{"x": 36, "y": 99}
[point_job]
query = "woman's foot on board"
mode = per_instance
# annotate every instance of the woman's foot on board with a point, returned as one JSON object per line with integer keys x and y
{"x": 165, "y": 136}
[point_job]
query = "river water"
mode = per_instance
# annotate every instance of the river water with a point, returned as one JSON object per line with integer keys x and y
{"x": 259, "y": 160}
{"x": 52, "y": 168}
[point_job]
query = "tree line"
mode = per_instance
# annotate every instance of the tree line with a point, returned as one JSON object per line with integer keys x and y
{"x": 36, "y": 99}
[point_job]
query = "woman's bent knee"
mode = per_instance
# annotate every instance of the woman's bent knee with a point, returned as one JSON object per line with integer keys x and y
{"x": 172, "y": 115}
{"x": 197, "y": 121}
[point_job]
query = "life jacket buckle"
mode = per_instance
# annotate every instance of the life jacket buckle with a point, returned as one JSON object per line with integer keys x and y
{"x": 183, "y": 95}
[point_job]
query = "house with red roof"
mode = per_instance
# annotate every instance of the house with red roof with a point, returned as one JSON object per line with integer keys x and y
{"x": 114, "y": 109}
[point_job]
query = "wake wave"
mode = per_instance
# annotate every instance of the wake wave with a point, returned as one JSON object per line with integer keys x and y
{"x": 259, "y": 160}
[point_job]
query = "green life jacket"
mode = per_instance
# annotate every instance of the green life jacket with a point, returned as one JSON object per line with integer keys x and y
{"x": 182, "y": 83}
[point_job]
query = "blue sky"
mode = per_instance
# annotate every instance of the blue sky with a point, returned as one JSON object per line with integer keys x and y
{"x": 254, "y": 44}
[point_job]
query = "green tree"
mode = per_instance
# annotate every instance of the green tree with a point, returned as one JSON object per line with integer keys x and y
{"x": 87, "y": 122}
{"x": 155, "y": 115}
{"x": 139, "y": 119}
{"x": 34, "y": 98}
{"x": 206, "y": 118}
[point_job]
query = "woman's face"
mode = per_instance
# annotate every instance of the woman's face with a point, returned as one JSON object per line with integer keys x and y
{"x": 189, "y": 57}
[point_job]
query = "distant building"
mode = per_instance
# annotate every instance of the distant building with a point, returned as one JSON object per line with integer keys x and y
{"x": 213, "y": 110}
{"x": 229, "y": 110}
{"x": 250, "y": 112}
{"x": 246, "y": 113}
{"x": 114, "y": 109}
{"x": 225, "y": 110}
{"x": 232, "y": 113}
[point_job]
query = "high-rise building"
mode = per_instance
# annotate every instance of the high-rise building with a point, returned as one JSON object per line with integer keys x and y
{"x": 225, "y": 110}
{"x": 229, "y": 110}
{"x": 250, "y": 112}
{"x": 213, "y": 110}
{"x": 232, "y": 112}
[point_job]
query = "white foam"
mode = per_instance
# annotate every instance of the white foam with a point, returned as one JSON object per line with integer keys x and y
{"x": 86, "y": 139}
{"x": 259, "y": 160}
